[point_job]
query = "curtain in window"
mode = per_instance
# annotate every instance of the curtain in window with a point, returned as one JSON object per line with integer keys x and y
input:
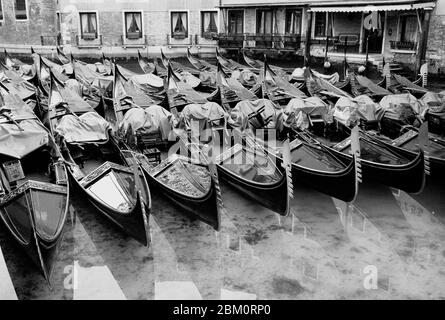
{"x": 209, "y": 22}
{"x": 133, "y": 22}
{"x": 89, "y": 23}
{"x": 179, "y": 23}
{"x": 293, "y": 22}
{"x": 409, "y": 34}
{"x": 264, "y": 21}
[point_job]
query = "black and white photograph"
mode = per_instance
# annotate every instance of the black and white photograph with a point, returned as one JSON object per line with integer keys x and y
{"x": 221, "y": 155}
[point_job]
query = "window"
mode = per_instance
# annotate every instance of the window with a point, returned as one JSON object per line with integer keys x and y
{"x": 209, "y": 22}
{"x": 293, "y": 22}
{"x": 20, "y": 10}
{"x": 264, "y": 21}
{"x": 179, "y": 25}
{"x": 320, "y": 24}
{"x": 1, "y": 10}
{"x": 88, "y": 25}
{"x": 408, "y": 28}
{"x": 236, "y": 21}
{"x": 133, "y": 25}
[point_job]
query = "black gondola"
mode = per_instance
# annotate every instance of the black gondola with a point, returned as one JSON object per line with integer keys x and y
{"x": 145, "y": 64}
{"x": 61, "y": 56}
{"x": 248, "y": 168}
{"x": 314, "y": 165}
{"x": 97, "y": 165}
{"x": 189, "y": 185}
{"x": 408, "y": 144}
{"x": 380, "y": 163}
{"x": 34, "y": 188}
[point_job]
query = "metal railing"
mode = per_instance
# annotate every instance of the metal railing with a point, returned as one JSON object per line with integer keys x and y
{"x": 260, "y": 41}
{"x": 403, "y": 45}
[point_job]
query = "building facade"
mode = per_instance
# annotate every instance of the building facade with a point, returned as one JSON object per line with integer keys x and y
{"x": 403, "y": 31}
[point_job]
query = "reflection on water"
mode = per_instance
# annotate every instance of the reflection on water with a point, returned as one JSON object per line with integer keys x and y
{"x": 325, "y": 249}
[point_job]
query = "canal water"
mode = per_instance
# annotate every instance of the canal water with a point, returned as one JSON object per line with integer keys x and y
{"x": 326, "y": 249}
{"x": 386, "y": 245}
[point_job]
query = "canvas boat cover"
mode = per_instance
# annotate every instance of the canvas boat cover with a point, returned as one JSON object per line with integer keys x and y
{"x": 23, "y": 89}
{"x": 208, "y": 112}
{"x": 181, "y": 94}
{"x": 408, "y": 84}
{"x": 371, "y": 86}
{"x": 269, "y": 112}
{"x": 14, "y": 142}
{"x": 246, "y": 77}
{"x": 298, "y": 75}
{"x": 72, "y": 98}
{"x": 153, "y": 119}
{"x": 296, "y": 113}
{"x": 350, "y": 111}
{"x": 400, "y": 106}
{"x": 148, "y": 79}
{"x": 434, "y": 103}
{"x": 321, "y": 86}
{"x": 90, "y": 127}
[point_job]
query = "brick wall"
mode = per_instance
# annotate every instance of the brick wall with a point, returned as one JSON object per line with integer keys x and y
{"x": 41, "y": 21}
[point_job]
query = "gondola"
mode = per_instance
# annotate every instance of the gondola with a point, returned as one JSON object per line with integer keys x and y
{"x": 248, "y": 168}
{"x": 316, "y": 166}
{"x": 379, "y": 163}
{"x": 408, "y": 144}
{"x": 318, "y": 87}
{"x": 61, "y": 56}
{"x": 276, "y": 87}
{"x": 259, "y": 65}
{"x": 229, "y": 91}
{"x": 179, "y": 93}
{"x": 145, "y": 64}
{"x": 229, "y": 64}
{"x": 96, "y": 163}
{"x": 34, "y": 189}
{"x": 361, "y": 85}
{"x": 189, "y": 185}
{"x": 199, "y": 64}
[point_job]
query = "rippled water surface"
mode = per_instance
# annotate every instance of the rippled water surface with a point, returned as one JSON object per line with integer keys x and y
{"x": 326, "y": 249}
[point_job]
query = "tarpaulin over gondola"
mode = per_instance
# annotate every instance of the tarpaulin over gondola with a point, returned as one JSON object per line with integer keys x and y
{"x": 86, "y": 128}
{"x": 258, "y": 114}
{"x": 396, "y": 106}
{"x": 434, "y": 103}
{"x": 19, "y": 140}
{"x": 153, "y": 119}
{"x": 367, "y": 86}
{"x": 124, "y": 89}
{"x": 298, "y": 111}
{"x": 351, "y": 111}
